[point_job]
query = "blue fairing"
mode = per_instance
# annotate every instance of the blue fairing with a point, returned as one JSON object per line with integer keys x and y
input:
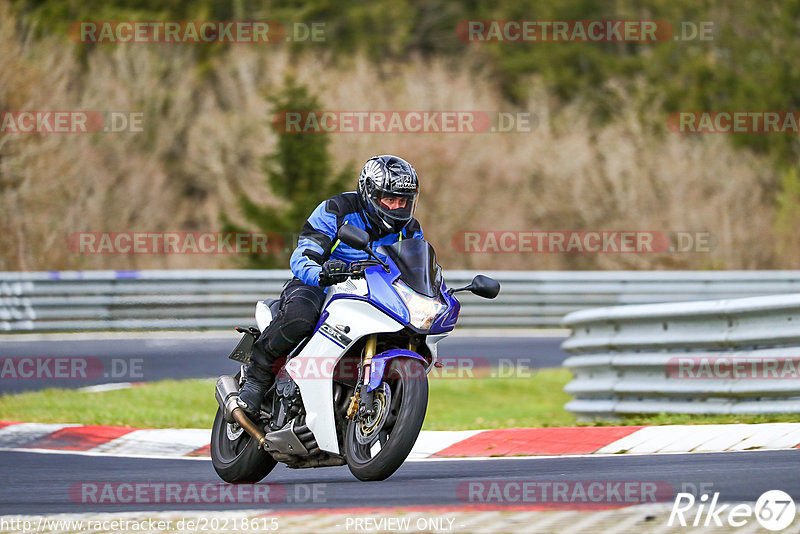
{"x": 379, "y": 364}
{"x": 446, "y": 321}
{"x": 322, "y": 318}
{"x": 383, "y": 296}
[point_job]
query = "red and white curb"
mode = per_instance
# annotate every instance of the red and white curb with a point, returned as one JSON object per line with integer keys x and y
{"x": 188, "y": 443}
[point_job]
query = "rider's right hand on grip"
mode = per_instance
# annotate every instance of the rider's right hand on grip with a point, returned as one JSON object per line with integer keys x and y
{"x": 333, "y": 272}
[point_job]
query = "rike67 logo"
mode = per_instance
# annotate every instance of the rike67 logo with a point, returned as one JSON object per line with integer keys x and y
{"x": 774, "y": 510}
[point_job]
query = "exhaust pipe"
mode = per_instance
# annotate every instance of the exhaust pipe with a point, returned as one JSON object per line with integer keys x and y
{"x": 249, "y": 427}
{"x": 226, "y": 392}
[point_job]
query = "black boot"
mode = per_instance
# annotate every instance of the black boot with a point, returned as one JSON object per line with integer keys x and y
{"x": 254, "y": 389}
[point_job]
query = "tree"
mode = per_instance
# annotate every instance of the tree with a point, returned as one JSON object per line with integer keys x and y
{"x": 300, "y": 173}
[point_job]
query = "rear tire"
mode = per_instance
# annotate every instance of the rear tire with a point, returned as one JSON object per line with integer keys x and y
{"x": 409, "y": 401}
{"x": 239, "y": 459}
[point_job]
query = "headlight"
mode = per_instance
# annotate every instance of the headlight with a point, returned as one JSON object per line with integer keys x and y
{"x": 423, "y": 310}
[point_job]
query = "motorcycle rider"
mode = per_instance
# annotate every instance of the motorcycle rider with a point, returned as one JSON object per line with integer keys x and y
{"x": 384, "y": 206}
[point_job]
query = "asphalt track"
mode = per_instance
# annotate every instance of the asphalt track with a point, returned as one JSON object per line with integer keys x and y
{"x": 36, "y": 483}
{"x": 33, "y": 483}
{"x": 154, "y": 358}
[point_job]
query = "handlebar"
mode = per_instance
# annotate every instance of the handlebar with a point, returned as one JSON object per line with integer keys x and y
{"x": 357, "y": 267}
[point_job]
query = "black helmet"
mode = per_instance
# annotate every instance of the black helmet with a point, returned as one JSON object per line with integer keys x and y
{"x": 387, "y": 190}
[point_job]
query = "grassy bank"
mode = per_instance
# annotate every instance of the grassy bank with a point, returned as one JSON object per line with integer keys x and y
{"x": 453, "y": 405}
{"x": 207, "y": 125}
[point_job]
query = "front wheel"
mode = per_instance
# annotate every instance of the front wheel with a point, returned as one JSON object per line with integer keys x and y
{"x": 377, "y": 446}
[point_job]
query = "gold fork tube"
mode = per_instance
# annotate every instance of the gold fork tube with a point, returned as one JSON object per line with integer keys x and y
{"x": 369, "y": 352}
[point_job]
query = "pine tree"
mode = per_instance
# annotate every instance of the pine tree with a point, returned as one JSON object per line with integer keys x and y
{"x": 300, "y": 173}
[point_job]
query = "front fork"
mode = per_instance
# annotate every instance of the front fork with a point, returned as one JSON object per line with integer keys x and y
{"x": 361, "y": 401}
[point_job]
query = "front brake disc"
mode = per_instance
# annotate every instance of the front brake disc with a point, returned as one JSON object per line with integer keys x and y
{"x": 368, "y": 427}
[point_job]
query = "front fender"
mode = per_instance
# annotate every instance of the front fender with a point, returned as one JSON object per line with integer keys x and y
{"x": 379, "y": 362}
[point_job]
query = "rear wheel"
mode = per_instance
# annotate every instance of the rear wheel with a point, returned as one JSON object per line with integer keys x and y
{"x": 235, "y": 454}
{"x": 377, "y": 446}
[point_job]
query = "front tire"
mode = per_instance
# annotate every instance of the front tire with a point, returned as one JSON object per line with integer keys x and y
{"x": 399, "y": 430}
{"x": 235, "y": 454}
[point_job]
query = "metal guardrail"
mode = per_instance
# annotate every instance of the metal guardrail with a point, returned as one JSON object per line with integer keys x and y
{"x": 201, "y": 299}
{"x": 708, "y": 357}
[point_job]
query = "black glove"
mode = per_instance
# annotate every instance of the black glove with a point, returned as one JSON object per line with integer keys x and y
{"x": 333, "y": 272}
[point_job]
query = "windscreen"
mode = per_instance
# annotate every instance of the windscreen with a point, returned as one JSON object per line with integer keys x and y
{"x": 417, "y": 263}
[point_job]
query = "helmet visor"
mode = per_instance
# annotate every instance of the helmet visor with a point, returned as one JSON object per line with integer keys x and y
{"x": 397, "y": 206}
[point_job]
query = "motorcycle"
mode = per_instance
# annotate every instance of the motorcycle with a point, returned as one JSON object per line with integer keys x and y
{"x": 355, "y": 392}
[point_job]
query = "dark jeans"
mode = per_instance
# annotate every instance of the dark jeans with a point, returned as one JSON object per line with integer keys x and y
{"x": 300, "y": 306}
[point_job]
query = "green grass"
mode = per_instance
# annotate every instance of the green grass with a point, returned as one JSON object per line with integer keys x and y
{"x": 454, "y": 404}
{"x": 166, "y": 404}
{"x": 467, "y": 404}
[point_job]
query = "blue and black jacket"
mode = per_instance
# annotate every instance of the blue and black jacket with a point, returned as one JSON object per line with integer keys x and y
{"x": 318, "y": 241}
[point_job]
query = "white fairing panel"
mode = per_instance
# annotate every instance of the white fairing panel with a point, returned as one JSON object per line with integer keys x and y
{"x": 351, "y": 286}
{"x": 263, "y": 315}
{"x": 312, "y": 369}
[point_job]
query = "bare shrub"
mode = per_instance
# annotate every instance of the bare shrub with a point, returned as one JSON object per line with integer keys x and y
{"x": 206, "y": 130}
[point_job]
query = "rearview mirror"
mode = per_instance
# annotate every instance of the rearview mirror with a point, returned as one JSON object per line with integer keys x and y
{"x": 353, "y": 236}
{"x": 485, "y": 287}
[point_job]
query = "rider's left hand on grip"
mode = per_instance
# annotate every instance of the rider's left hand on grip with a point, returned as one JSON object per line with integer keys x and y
{"x": 333, "y": 272}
